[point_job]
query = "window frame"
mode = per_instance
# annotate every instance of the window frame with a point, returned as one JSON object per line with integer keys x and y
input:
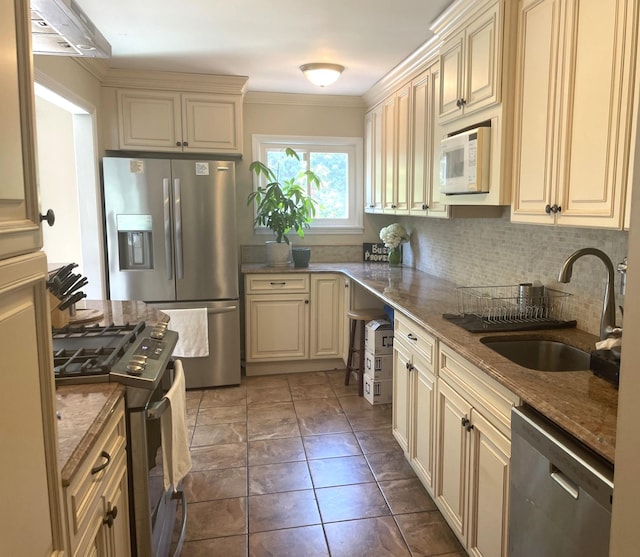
{"x": 352, "y": 146}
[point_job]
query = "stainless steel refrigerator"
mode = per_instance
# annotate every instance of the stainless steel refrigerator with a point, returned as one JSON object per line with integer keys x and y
{"x": 171, "y": 242}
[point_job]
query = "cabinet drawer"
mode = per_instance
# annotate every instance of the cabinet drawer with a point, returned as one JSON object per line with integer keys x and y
{"x": 86, "y": 488}
{"x": 484, "y": 393}
{"x": 415, "y": 337}
{"x": 263, "y": 284}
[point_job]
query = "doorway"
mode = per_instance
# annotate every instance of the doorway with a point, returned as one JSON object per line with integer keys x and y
{"x": 68, "y": 183}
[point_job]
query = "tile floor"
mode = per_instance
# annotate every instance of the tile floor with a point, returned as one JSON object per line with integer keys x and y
{"x": 299, "y": 465}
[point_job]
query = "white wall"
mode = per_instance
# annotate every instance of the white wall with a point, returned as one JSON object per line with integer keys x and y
{"x": 57, "y": 182}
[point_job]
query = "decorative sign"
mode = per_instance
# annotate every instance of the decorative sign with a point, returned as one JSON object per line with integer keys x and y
{"x": 202, "y": 169}
{"x": 136, "y": 167}
{"x": 374, "y": 252}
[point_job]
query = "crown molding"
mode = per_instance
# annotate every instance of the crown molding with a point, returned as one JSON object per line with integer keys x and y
{"x": 410, "y": 67}
{"x": 263, "y": 97}
{"x": 450, "y": 19}
{"x": 175, "y": 81}
{"x": 97, "y": 67}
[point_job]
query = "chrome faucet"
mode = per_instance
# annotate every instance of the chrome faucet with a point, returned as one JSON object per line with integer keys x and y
{"x": 608, "y": 328}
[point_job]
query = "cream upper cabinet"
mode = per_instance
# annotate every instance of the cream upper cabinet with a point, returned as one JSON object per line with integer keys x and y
{"x": 471, "y": 65}
{"x": 19, "y": 223}
{"x": 574, "y": 111}
{"x": 473, "y": 448}
{"x": 395, "y": 152}
{"x": 424, "y": 197}
{"x": 373, "y": 160}
{"x": 190, "y": 122}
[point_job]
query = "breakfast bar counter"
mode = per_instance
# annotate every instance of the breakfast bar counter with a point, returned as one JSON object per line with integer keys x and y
{"x": 578, "y": 401}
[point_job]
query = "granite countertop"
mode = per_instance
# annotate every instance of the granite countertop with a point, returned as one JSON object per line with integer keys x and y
{"x": 84, "y": 409}
{"x": 581, "y": 403}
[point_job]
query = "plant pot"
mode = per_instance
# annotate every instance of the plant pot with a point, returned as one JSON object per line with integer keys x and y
{"x": 301, "y": 256}
{"x": 278, "y": 254}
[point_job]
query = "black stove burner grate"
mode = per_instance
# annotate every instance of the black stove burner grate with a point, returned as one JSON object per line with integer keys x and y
{"x": 85, "y": 352}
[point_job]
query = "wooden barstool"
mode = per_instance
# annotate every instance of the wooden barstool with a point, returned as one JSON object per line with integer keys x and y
{"x": 359, "y": 316}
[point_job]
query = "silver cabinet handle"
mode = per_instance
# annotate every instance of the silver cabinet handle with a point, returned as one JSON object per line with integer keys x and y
{"x": 177, "y": 215}
{"x": 168, "y": 251}
{"x": 564, "y": 482}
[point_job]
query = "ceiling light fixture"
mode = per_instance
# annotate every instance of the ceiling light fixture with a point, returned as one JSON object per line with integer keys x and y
{"x": 322, "y": 74}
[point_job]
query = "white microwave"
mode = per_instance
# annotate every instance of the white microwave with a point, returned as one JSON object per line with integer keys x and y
{"x": 464, "y": 162}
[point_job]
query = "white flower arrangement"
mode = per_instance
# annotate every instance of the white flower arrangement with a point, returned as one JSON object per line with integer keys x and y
{"x": 393, "y": 235}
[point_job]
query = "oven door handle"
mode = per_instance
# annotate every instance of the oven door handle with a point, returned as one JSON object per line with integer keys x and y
{"x": 155, "y": 410}
{"x": 182, "y": 496}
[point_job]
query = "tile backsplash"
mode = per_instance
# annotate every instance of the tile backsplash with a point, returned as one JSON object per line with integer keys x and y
{"x": 484, "y": 252}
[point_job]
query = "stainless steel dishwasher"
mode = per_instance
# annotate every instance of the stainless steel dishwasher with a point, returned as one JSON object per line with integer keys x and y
{"x": 561, "y": 493}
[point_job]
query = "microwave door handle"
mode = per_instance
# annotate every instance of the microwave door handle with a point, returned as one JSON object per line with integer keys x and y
{"x": 168, "y": 252}
{"x": 177, "y": 212}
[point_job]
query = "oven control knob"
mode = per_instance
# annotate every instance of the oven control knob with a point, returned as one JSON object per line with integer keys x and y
{"x": 159, "y": 329}
{"x": 136, "y": 365}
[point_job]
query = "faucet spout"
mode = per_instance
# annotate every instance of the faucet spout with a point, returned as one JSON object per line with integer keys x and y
{"x": 608, "y": 326}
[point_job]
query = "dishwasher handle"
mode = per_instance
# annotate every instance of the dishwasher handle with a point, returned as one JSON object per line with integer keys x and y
{"x": 565, "y": 483}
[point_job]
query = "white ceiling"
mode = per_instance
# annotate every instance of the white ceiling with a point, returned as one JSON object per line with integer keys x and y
{"x": 266, "y": 40}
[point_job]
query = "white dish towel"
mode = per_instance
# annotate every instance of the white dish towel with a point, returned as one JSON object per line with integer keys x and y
{"x": 193, "y": 332}
{"x": 176, "y": 458}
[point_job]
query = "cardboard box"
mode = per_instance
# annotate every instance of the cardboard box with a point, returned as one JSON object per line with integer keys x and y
{"x": 377, "y": 392}
{"x": 378, "y": 337}
{"x": 378, "y": 366}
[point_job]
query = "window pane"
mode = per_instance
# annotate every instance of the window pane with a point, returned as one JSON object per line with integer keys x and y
{"x": 284, "y": 167}
{"x": 333, "y": 196}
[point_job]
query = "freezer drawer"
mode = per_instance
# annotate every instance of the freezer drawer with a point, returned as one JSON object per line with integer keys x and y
{"x": 222, "y": 365}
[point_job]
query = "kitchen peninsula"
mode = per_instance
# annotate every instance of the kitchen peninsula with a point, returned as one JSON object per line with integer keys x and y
{"x": 578, "y": 401}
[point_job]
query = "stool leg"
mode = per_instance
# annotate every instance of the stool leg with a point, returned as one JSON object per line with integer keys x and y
{"x": 361, "y": 357}
{"x": 352, "y": 340}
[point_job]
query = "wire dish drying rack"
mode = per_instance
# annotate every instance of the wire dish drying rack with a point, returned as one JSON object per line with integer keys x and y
{"x": 507, "y": 308}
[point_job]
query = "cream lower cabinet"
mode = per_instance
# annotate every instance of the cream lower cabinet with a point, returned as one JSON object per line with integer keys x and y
{"x": 96, "y": 498}
{"x": 473, "y": 449}
{"x": 414, "y": 383}
{"x": 293, "y": 317}
{"x": 574, "y": 111}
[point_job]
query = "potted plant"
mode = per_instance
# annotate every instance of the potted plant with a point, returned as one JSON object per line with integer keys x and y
{"x": 282, "y": 206}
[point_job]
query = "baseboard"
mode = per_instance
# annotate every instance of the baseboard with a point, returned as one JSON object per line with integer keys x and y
{"x": 295, "y": 366}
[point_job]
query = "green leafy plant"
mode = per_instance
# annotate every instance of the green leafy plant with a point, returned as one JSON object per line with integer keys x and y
{"x": 283, "y": 205}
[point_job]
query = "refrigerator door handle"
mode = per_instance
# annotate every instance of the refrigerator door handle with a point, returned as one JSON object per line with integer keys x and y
{"x": 177, "y": 212}
{"x": 227, "y": 309}
{"x": 168, "y": 252}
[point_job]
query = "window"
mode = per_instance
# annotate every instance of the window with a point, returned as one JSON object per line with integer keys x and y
{"x": 337, "y": 161}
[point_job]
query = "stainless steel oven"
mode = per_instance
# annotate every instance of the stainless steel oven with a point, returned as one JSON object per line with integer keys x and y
{"x": 140, "y": 357}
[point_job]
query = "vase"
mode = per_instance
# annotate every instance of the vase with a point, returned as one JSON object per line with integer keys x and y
{"x": 394, "y": 256}
{"x": 301, "y": 256}
{"x": 278, "y": 254}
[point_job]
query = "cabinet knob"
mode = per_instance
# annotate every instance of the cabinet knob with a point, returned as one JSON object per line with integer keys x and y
{"x": 110, "y": 517}
{"x": 185, "y": 144}
{"x": 49, "y": 216}
{"x": 555, "y": 208}
{"x": 466, "y": 423}
{"x": 460, "y": 103}
{"x": 178, "y": 143}
{"x": 547, "y": 209}
{"x": 425, "y": 206}
{"x": 306, "y": 301}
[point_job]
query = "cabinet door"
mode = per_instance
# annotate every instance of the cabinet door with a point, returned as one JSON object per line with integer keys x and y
{"x": 599, "y": 81}
{"x": 402, "y": 151}
{"x": 277, "y": 327}
{"x": 434, "y": 199}
{"x": 423, "y": 408}
{"x": 32, "y": 523}
{"x": 452, "y": 458}
{"x": 401, "y": 400}
{"x": 421, "y": 152}
{"x": 19, "y": 224}
{"x": 451, "y": 77}
{"x": 374, "y": 162}
{"x": 327, "y": 316}
{"x": 483, "y": 60}
{"x": 534, "y": 156}
{"x": 116, "y": 506}
{"x": 388, "y": 154}
{"x": 488, "y": 490}
{"x": 211, "y": 123}
{"x": 149, "y": 120}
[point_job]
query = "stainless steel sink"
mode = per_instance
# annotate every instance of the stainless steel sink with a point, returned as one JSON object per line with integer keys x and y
{"x": 539, "y": 354}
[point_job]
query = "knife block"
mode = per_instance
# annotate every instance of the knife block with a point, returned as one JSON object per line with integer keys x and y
{"x": 59, "y": 318}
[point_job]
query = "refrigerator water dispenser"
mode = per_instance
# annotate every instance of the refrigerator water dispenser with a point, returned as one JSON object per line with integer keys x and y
{"x": 135, "y": 242}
